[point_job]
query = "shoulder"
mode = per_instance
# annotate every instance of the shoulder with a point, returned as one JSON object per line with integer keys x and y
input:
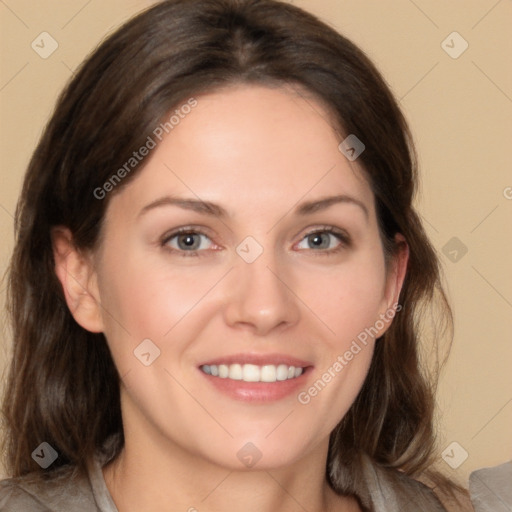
{"x": 391, "y": 489}
{"x": 63, "y": 491}
{"x": 491, "y": 488}
{"x": 13, "y": 497}
{"x": 382, "y": 489}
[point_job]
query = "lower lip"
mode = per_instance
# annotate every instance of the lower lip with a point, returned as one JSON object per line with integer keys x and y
{"x": 257, "y": 391}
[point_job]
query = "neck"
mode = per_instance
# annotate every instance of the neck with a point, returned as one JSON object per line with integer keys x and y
{"x": 137, "y": 487}
{"x": 152, "y": 472}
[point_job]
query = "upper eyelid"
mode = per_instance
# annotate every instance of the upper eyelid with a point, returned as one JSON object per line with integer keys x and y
{"x": 342, "y": 234}
{"x": 164, "y": 241}
{"x": 184, "y": 230}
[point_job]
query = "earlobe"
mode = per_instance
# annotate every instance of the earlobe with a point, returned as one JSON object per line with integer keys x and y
{"x": 397, "y": 271}
{"x": 394, "y": 282}
{"x": 78, "y": 279}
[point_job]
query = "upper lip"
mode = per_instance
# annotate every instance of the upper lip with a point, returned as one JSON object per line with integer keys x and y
{"x": 258, "y": 359}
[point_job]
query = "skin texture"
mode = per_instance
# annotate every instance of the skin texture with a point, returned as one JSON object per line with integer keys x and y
{"x": 258, "y": 153}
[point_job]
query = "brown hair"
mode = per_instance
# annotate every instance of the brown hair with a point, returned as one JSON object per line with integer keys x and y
{"x": 63, "y": 387}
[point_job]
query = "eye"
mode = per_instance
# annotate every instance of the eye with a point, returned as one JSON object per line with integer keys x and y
{"x": 326, "y": 239}
{"x": 187, "y": 240}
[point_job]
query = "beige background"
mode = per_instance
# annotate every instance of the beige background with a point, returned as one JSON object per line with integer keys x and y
{"x": 460, "y": 111}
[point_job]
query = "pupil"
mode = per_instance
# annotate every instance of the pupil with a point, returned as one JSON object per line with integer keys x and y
{"x": 188, "y": 241}
{"x": 318, "y": 241}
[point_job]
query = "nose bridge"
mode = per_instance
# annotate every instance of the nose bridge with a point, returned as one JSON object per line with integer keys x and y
{"x": 260, "y": 298}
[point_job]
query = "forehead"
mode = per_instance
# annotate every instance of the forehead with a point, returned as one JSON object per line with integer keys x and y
{"x": 250, "y": 147}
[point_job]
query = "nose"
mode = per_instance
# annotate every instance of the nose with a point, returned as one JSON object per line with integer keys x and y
{"x": 261, "y": 298}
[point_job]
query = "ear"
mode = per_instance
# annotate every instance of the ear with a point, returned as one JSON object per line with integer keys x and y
{"x": 394, "y": 281}
{"x": 397, "y": 270}
{"x": 78, "y": 278}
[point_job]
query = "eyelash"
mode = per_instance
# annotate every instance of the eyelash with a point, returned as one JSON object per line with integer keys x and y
{"x": 341, "y": 235}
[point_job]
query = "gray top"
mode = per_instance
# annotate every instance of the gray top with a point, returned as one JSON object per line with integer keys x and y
{"x": 491, "y": 488}
{"x": 68, "y": 490}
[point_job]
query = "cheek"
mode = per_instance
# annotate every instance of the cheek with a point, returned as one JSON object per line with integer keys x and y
{"x": 142, "y": 299}
{"x": 349, "y": 304}
{"x": 350, "y": 298}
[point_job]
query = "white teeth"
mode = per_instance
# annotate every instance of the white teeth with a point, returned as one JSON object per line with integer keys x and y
{"x": 252, "y": 372}
{"x": 235, "y": 372}
{"x": 268, "y": 373}
{"x": 282, "y": 372}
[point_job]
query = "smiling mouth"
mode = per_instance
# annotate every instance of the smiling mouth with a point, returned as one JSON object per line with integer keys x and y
{"x": 253, "y": 372}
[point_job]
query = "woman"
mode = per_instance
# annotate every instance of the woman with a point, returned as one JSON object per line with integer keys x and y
{"x": 218, "y": 278}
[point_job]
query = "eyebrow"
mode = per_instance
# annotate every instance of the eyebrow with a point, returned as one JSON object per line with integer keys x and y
{"x": 324, "y": 203}
{"x": 196, "y": 205}
{"x": 215, "y": 210}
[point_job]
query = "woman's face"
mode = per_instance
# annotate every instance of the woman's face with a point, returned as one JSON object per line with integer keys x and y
{"x": 277, "y": 276}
